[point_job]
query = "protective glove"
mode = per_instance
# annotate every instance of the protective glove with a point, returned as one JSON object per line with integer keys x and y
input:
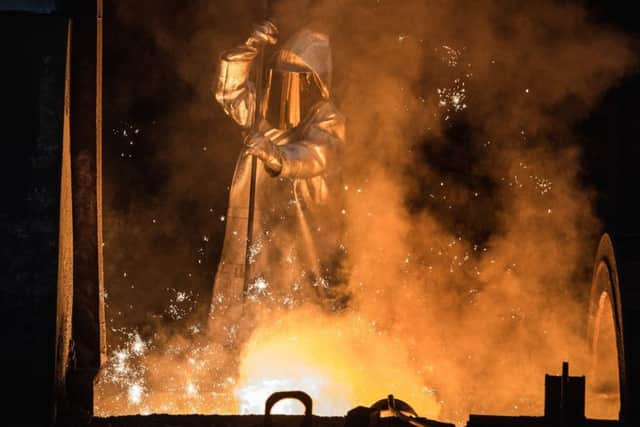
{"x": 263, "y": 34}
{"x": 257, "y": 144}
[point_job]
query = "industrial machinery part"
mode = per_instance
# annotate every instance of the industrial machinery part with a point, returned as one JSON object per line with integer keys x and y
{"x": 301, "y": 396}
{"x": 615, "y": 296}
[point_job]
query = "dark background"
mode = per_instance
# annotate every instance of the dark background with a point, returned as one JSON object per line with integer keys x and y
{"x": 610, "y": 134}
{"x": 177, "y": 244}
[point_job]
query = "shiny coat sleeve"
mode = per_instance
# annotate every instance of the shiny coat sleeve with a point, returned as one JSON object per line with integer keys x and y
{"x": 314, "y": 153}
{"x": 234, "y": 90}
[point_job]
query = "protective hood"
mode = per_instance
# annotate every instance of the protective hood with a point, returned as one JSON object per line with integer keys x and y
{"x": 307, "y": 51}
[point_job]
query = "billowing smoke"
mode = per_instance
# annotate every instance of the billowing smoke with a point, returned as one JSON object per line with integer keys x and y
{"x": 469, "y": 234}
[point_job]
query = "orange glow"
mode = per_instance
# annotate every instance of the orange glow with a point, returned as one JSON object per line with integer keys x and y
{"x": 603, "y": 386}
{"x": 341, "y": 363}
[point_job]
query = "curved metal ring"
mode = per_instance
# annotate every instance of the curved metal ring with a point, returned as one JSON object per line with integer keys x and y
{"x": 618, "y": 257}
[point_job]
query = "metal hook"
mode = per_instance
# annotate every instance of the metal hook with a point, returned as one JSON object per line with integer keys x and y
{"x": 300, "y": 396}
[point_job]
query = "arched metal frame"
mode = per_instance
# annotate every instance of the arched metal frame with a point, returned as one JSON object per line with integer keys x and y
{"x": 616, "y": 273}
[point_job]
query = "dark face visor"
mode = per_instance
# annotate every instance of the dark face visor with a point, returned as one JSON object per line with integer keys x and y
{"x": 289, "y": 97}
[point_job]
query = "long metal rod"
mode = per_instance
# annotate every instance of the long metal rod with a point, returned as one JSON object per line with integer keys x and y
{"x": 101, "y": 292}
{"x": 250, "y": 219}
{"x": 259, "y": 67}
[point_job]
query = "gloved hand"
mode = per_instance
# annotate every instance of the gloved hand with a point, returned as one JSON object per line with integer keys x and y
{"x": 257, "y": 144}
{"x": 263, "y": 34}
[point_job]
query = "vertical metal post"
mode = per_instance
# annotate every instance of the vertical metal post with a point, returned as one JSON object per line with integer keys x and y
{"x": 87, "y": 324}
{"x": 64, "y": 296}
{"x": 100, "y": 237}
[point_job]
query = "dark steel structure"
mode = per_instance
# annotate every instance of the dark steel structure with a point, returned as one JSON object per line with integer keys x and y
{"x": 53, "y": 241}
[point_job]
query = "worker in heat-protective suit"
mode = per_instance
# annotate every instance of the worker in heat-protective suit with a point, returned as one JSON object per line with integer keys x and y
{"x": 296, "y": 254}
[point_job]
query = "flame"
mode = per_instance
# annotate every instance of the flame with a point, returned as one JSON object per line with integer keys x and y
{"x": 341, "y": 360}
{"x": 346, "y": 364}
